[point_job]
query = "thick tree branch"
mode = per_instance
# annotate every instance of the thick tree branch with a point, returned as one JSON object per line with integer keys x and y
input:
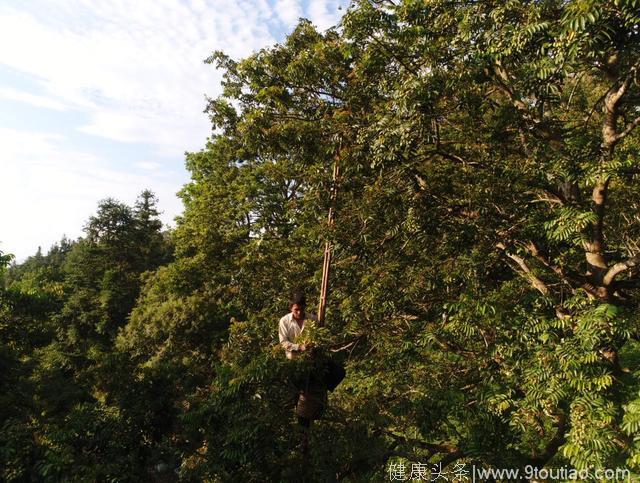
{"x": 620, "y": 267}
{"x": 594, "y": 248}
{"x": 571, "y": 279}
{"x": 609, "y": 126}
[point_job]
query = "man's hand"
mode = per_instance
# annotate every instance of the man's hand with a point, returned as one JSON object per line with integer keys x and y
{"x": 305, "y": 347}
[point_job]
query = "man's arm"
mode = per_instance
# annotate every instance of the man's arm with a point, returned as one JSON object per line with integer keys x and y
{"x": 284, "y": 339}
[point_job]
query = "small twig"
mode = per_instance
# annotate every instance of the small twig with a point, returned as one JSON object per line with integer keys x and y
{"x": 350, "y": 344}
{"x": 537, "y": 283}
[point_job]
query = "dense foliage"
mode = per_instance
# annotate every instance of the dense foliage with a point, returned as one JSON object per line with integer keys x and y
{"x": 485, "y": 287}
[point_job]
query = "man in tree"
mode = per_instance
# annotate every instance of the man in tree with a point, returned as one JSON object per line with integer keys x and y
{"x": 292, "y": 324}
{"x": 326, "y": 374}
{"x": 289, "y": 328}
{"x": 313, "y": 381}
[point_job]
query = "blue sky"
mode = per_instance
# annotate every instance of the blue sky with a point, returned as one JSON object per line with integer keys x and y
{"x": 102, "y": 99}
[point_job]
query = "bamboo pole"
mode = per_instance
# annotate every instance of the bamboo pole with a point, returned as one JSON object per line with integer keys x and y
{"x": 328, "y": 247}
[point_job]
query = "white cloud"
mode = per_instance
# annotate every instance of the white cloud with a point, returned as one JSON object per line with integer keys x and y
{"x": 171, "y": 134}
{"x": 289, "y": 11}
{"x": 137, "y": 67}
{"x": 133, "y": 67}
{"x": 148, "y": 165}
{"x": 325, "y": 13}
{"x": 134, "y": 72}
{"x": 38, "y": 101}
{"x": 49, "y": 190}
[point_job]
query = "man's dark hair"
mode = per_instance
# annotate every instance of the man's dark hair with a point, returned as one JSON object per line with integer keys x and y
{"x": 298, "y": 299}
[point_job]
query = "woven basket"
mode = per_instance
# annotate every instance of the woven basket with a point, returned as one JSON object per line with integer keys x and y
{"x": 311, "y": 403}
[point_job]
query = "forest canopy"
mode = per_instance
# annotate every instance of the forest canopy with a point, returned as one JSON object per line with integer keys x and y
{"x": 484, "y": 294}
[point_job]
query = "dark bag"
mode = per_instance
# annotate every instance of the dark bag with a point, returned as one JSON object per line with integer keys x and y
{"x": 334, "y": 374}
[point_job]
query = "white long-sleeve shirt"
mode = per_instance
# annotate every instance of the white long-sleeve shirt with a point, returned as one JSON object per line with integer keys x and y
{"x": 288, "y": 330}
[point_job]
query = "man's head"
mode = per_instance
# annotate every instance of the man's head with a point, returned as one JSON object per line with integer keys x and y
{"x": 297, "y": 304}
